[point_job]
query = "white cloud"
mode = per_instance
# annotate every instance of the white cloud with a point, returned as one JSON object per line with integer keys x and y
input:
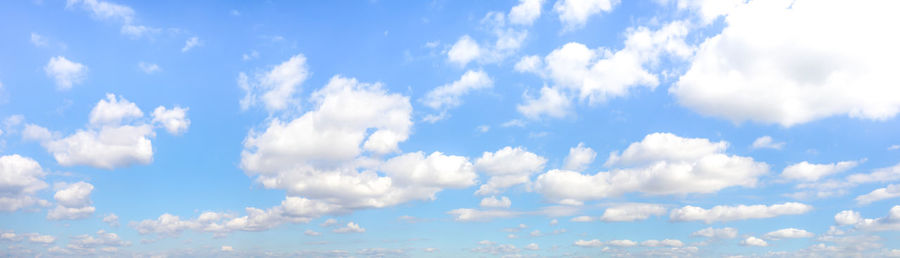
{"x": 113, "y": 111}
{"x": 174, "y": 120}
{"x": 275, "y": 88}
{"x": 888, "y": 192}
{"x": 879, "y": 175}
{"x": 437, "y": 170}
{"x": 38, "y": 40}
{"x": 20, "y": 179}
{"x": 481, "y": 215}
{"x": 464, "y": 51}
{"x": 525, "y": 12}
{"x": 632, "y": 212}
{"x": 493, "y": 202}
{"x": 529, "y": 64}
{"x": 42, "y": 239}
{"x": 252, "y": 55}
{"x": 789, "y": 233}
{"x": 448, "y": 95}
{"x": 65, "y": 73}
{"x": 711, "y": 232}
{"x": 122, "y": 14}
{"x": 589, "y": 243}
{"x": 722, "y": 213}
{"x": 328, "y": 223}
{"x": 766, "y": 142}
{"x": 350, "y": 228}
{"x": 507, "y": 167}
{"x": 148, "y": 68}
{"x": 310, "y": 232}
{"x": 622, "y": 243}
{"x": 847, "y": 217}
{"x": 112, "y": 219}
{"x": 532, "y": 246}
{"x": 104, "y": 241}
{"x": 73, "y": 201}
{"x": 889, "y": 223}
{"x": 787, "y": 70}
{"x": 582, "y": 219}
{"x": 661, "y": 164}
{"x": 227, "y": 248}
{"x": 805, "y": 171}
{"x": 579, "y": 158}
{"x": 33, "y": 132}
{"x": 551, "y": 103}
{"x": 191, "y": 43}
{"x": 573, "y": 14}
{"x": 664, "y": 243}
{"x": 894, "y": 147}
{"x": 753, "y": 241}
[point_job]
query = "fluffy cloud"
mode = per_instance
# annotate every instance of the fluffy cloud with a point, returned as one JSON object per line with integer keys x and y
{"x": 753, "y": 241}
{"x": 663, "y": 243}
{"x": 466, "y": 215}
{"x": 73, "y": 201}
{"x": 493, "y": 202}
{"x": 622, "y": 243}
{"x": 589, "y": 243}
{"x": 836, "y": 187}
{"x": 711, "y": 232}
{"x": 20, "y": 179}
{"x": 525, "y": 12}
{"x": 276, "y": 88}
{"x": 174, "y": 120}
{"x": 579, "y": 158}
{"x": 888, "y": 192}
{"x": 660, "y": 164}
{"x": 464, "y": 51}
{"x": 550, "y": 103}
{"x": 723, "y": 213}
{"x": 88, "y": 244}
{"x": 350, "y": 228}
{"x": 66, "y": 73}
{"x": 804, "y": 171}
{"x": 114, "y": 111}
{"x": 889, "y": 223}
{"x": 507, "y": 167}
{"x": 789, "y": 233}
{"x": 787, "y": 70}
{"x": 112, "y": 219}
{"x": 632, "y": 212}
{"x": 448, "y": 95}
{"x": 766, "y": 142}
{"x": 191, "y": 43}
{"x": 573, "y": 14}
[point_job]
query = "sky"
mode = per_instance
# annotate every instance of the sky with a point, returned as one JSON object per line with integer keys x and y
{"x": 511, "y": 128}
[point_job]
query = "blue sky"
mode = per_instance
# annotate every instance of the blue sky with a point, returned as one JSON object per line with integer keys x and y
{"x": 448, "y": 129}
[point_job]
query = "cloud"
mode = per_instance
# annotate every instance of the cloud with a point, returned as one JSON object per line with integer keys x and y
{"x": 191, "y": 43}
{"x": 786, "y": 70}
{"x": 753, "y": 241}
{"x": 38, "y": 40}
{"x": 174, "y": 120}
{"x": 481, "y": 215}
{"x": 573, "y": 14}
{"x": 507, "y": 167}
{"x": 310, "y": 232}
{"x": 588, "y": 243}
{"x": 525, "y": 12}
{"x": 350, "y": 228}
{"x": 464, "y": 51}
{"x": 889, "y": 223}
{"x": 114, "y": 111}
{"x": 550, "y": 103}
{"x": 663, "y": 243}
{"x": 661, "y": 164}
{"x": 125, "y": 15}
{"x": 73, "y": 201}
{"x": 789, "y": 233}
{"x": 20, "y": 179}
{"x": 579, "y": 158}
{"x": 493, "y": 202}
{"x": 766, "y": 142}
{"x": 722, "y": 213}
{"x": 632, "y": 212}
{"x": 88, "y": 244}
{"x": 710, "y": 232}
{"x": 148, "y": 68}
{"x": 112, "y": 219}
{"x": 448, "y": 95}
{"x": 65, "y": 73}
{"x": 804, "y": 171}
{"x": 888, "y": 192}
{"x": 275, "y": 88}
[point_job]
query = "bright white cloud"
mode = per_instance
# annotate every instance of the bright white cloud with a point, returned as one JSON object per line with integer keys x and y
{"x": 789, "y": 233}
{"x": 493, "y": 202}
{"x": 774, "y": 63}
{"x": 73, "y": 201}
{"x": 889, "y": 223}
{"x": 805, "y": 171}
{"x": 632, "y": 212}
{"x": 888, "y": 192}
{"x": 65, "y": 73}
{"x": 525, "y": 12}
{"x": 711, "y": 232}
{"x": 622, "y": 243}
{"x": 766, "y": 142}
{"x": 20, "y": 179}
{"x": 448, "y": 95}
{"x": 113, "y": 111}
{"x": 573, "y": 14}
{"x": 464, "y": 51}
{"x": 350, "y": 228}
{"x": 550, "y": 103}
{"x": 753, "y": 241}
{"x": 660, "y": 164}
{"x": 663, "y": 243}
{"x": 722, "y": 213}
{"x": 579, "y": 158}
{"x": 191, "y": 43}
{"x": 507, "y": 167}
{"x": 589, "y": 243}
{"x": 174, "y": 120}
{"x": 276, "y": 88}
{"x": 879, "y": 175}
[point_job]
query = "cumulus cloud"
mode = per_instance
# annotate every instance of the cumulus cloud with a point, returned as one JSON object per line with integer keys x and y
{"x": 789, "y": 233}
{"x": 888, "y": 192}
{"x": 632, "y": 212}
{"x": 112, "y": 219}
{"x": 889, "y": 223}
{"x": 836, "y": 187}
{"x": 661, "y": 164}
{"x": 276, "y": 88}
{"x": 710, "y": 232}
{"x": 550, "y": 103}
{"x": 73, "y": 201}
{"x": 507, "y": 167}
{"x": 114, "y": 111}
{"x": 174, "y": 120}
{"x": 805, "y": 171}
{"x": 493, "y": 202}
{"x": 573, "y": 14}
{"x": 753, "y": 241}
{"x": 525, "y": 12}
{"x": 466, "y": 215}
{"x": 786, "y": 70}
{"x": 579, "y": 158}
{"x": 663, "y": 243}
{"x": 588, "y": 243}
{"x": 448, "y": 95}
{"x": 20, "y": 179}
{"x": 65, "y": 73}
{"x": 350, "y": 228}
{"x": 722, "y": 213}
{"x": 464, "y": 51}
{"x": 766, "y": 142}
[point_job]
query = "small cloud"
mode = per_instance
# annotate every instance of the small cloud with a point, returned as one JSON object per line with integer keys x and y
{"x": 227, "y": 248}
{"x": 148, "y": 68}
{"x": 766, "y": 142}
{"x": 894, "y": 147}
{"x": 191, "y": 43}
{"x": 38, "y": 40}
